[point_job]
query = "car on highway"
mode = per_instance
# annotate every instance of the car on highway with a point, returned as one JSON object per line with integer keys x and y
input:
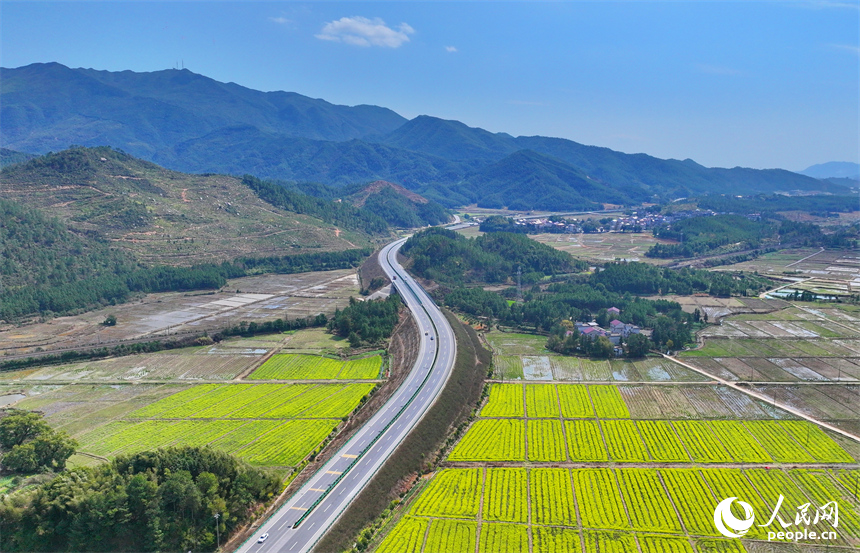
{"x": 263, "y": 538}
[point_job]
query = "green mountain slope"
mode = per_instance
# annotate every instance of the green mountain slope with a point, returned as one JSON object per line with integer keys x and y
{"x": 161, "y": 216}
{"x": 50, "y": 106}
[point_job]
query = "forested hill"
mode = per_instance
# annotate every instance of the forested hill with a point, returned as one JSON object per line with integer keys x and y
{"x": 191, "y": 123}
{"x": 164, "y": 217}
{"x": 398, "y": 206}
{"x": 450, "y": 258}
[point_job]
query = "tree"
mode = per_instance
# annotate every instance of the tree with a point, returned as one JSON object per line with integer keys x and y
{"x": 20, "y": 426}
{"x": 638, "y": 345}
{"x": 110, "y": 320}
{"x": 53, "y": 449}
{"x": 22, "y": 458}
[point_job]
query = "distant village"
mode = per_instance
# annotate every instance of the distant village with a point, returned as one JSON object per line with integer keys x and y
{"x": 630, "y": 223}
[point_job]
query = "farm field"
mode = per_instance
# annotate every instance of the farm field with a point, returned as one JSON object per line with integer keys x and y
{"x": 257, "y": 298}
{"x": 272, "y": 425}
{"x": 631, "y": 509}
{"x": 524, "y": 357}
{"x": 294, "y": 366}
{"x": 638, "y": 401}
{"x": 824, "y": 272}
{"x": 217, "y": 362}
{"x": 609, "y": 246}
{"x": 805, "y": 355}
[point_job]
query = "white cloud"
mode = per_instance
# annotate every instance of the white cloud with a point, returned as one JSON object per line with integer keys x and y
{"x": 361, "y": 31}
{"x": 849, "y": 47}
{"x": 280, "y": 20}
{"x": 451, "y": 49}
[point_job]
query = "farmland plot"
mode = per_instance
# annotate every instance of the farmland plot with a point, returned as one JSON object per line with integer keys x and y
{"x": 693, "y": 499}
{"x": 552, "y": 497}
{"x": 294, "y": 366}
{"x": 506, "y": 400}
{"x": 492, "y": 440}
{"x": 287, "y": 444}
{"x": 453, "y": 536}
{"x": 661, "y": 441}
{"x": 503, "y": 538}
{"x": 453, "y": 493}
{"x": 584, "y": 442}
{"x": 505, "y": 495}
{"x": 554, "y": 540}
{"x": 595, "y": 370}
{"x": 664, "y": 544}
{"x": 608, "y": 402}
{"x": 536, "y": 368}
{"x": 647, "y": 504}
{"x": 703, "y": 445}
{"x": 816, "y": 442}
{"x": 407, "y": 537}
{"x": 600, "y": 503}
{"x": 575, "y": 401}
{"x": 623, "y": 441}
{"x": 541, "y": 401}
{"x": 508, "y": 367}
{"x": 545, "y": 440}
{"x": 609, "y": 542}
{"x": 566, "y": 368}
{"x": 357, "y": 369}
{"x": 624, "y": 371}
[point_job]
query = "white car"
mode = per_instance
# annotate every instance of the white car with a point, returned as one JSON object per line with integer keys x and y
{"x": 263, "y": 538}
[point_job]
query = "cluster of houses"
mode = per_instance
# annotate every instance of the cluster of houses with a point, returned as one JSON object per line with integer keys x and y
{"x": 629, "y": 223}
{"x": 618, "y": 331}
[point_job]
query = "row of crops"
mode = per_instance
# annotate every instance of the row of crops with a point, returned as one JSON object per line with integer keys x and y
{"x": 414, "y": 535}
{"x": 647, "y": 441}
{"x": 667, "y": 509}
{"x": 570, "y": 401}
{"x": 257, "y": 401}
{"x": 296, "y": 366}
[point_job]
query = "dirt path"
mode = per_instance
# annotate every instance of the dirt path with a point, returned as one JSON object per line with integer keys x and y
{"x": 184, "y": 195}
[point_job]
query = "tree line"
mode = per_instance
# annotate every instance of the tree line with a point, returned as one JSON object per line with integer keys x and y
{"x": 152, "y": 501}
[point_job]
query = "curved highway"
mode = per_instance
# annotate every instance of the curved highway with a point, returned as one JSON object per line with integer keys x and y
{"x": 310, "y": 512}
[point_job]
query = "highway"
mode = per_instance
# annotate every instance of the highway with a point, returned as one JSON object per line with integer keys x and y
{"x": 312, "y": 510}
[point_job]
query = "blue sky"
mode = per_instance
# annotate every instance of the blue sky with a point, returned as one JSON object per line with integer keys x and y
{"x": 755, "y": 84}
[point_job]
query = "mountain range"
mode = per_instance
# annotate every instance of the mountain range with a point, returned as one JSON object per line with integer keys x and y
{"x": 191, "y": 123}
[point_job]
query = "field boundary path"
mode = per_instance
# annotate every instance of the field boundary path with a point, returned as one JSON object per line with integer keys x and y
{"x": 305, "y": 518}
{"x": 766, "y": 399}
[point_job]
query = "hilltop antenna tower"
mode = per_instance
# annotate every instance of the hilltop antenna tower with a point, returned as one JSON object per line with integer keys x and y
{"x": 519, "y": 282}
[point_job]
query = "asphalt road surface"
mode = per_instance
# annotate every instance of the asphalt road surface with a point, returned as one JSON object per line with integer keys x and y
{"x": 311, "y": 511}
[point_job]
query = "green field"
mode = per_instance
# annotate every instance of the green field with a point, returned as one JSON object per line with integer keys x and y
{"x": 296, "y": 366}
{"x": 265, "y": 424}
{"x": 501, "y": 509}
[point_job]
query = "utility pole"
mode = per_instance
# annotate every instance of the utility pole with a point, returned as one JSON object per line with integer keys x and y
{"x": 218, "y": 529}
